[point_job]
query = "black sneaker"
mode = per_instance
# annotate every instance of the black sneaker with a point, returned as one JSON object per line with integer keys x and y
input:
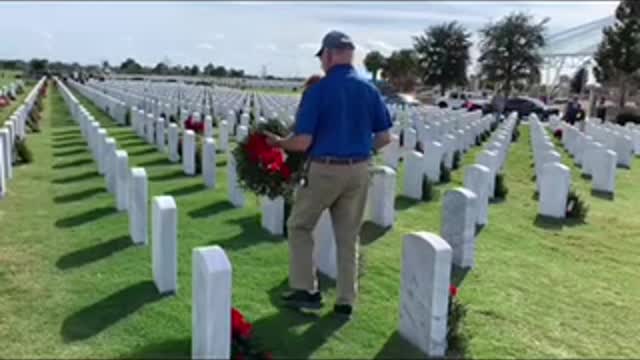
{"x": 343, "y": 310}
{"x": 302, "y": 299}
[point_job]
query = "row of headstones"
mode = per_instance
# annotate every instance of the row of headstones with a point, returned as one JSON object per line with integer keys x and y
{"x": 595, "y": 154}
{"x": 427, "y": 259}
{"x": 418, "y": 165}
{"x": 380, "y": 205}
{"x": 15, "y": 128}
{"x": 150, "y": 99}
{"x": 152, "y": 130}
{"x": 211, "y": 274}
{"x": 115, "y": 108}
{"x": 278, "y": 106}
{"x": 427, "y": 262}
{"x": 553, "y": 178}
{"x": 11, "y": 89}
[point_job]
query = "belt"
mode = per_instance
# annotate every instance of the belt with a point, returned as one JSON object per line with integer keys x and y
{"x": 339, "y": 161}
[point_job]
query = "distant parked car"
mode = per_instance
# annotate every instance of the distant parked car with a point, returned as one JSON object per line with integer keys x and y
{"x": 459, "y": 100}
{"x": 526, "y": 105}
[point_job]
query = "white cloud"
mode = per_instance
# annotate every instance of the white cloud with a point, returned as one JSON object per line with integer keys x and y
{"x": 267, "y": 46}
{"x": 380, "y": 45}
{"x": 309, "y": 45}
{"x": 205, "y": 46}
{"x": 218, "y": 36}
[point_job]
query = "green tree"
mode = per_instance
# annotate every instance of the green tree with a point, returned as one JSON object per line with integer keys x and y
{"x": 401, "y": 69}
{"x": 373, "y": 62}
{"x": 160, "y": 69}
{"x": 510, "y": 50}
{"x": 194, "y": 71}
{"x": 38, "y": 67}
{"x": 579, "y": 80}
{"x": 618, "y": 55}
{"x": 443, "y": 55}
{"x": 130, "y": 66}
{"x": 208, "y": 70}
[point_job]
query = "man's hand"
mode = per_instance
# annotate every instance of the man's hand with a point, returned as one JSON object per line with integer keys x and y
{"x": 273, "y": 139}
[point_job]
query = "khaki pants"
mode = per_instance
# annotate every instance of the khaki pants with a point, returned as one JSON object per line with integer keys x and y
{"x": 343, "y": 190}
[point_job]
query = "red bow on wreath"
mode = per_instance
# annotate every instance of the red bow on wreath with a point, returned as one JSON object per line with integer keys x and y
{"x": 270, "y": 157}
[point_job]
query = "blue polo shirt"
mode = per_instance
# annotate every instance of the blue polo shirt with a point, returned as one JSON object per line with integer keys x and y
{"x": 342, "y": 112}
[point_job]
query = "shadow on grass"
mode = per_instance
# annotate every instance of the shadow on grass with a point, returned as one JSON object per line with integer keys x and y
{"x": 127, "y": 136}
{"x": 85, "y": 217}
{"x": 65, "y": 132}
{"x": 77, "y": 136}
{"x": 150, "y": 150}
{"x": 97, "y": 317}
{"x": 69, "y": 144}
{"x": 397, "y": 347}
{"x": 370, "y": 232}
{"x": 605, "y": 195}
{"x": 549, "y": 223}
{"x": 210, "y": 210}
{"x": 134, "y": 144}
{"x": 73, "y": 163}
{"x": 252, "y": 233}
{"x": 586, "y": 176}
{"x": 155, "y": 162}
{"x": 93, "y": 253}
{"x": 186, "y": 190}
{"x": 404, "y": 203}
{"x": 276, "y": 330}
{"x": 221, "y": 163}
{"x": 168, "y": 176}
{"x": 458, "y": 274}
{"x": 70, "y": 152}
{"x": 80, "y": 195}
{"x": 170, "y": 349}
{"x": 80, "y": 177}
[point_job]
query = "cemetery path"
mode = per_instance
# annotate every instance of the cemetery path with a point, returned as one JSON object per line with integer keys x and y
{"x": 72, "y": 284}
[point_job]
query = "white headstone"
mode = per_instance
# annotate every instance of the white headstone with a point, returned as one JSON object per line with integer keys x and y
{"x": 138, "y": 205}
{"x": 272, "y": 218}
{"x": 209, "y": 162}
{"x": 424, "y": 292}
{"x": 223, "y": 135}
{"x": 108, "y": 158}
{"x": 122, "y": 179}
{"x": 189, "y": 153}
{"x": 160, "y": 141}
{"x": 174, "y": 157}
{"x": 409, "y": 139}
{"x": 554, "y": 190}
{"x": 413, "y": 175}
{"x": 433, "y": 155}
{"x": 391, "y": 153}
{"x": 490, "y": 160}
{"x": 208, "y": 126}
{"x": 459, "y": 225}
{"x": 3, "y": 178}
{"x": 604, "y": 171}
{"x": 6, "y": 153}
{"x": 476, "y": 179}
{"x": 381, "y": 197}
{"x": 102, "y": 137}
{"x": 243, "y": 131}
{"x": 164, "y": 253}
{"x": 211, "y": 303}
{"x": 236, "y": 196}
{"x": 324, "y": 250}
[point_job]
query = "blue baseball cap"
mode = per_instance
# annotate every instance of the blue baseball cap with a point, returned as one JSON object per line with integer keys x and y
{"x": 336, "y": 40}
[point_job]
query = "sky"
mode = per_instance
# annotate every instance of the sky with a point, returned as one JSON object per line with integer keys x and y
{"x": 281, "y": 36}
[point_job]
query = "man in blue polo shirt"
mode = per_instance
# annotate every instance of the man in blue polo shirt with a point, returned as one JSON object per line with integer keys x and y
{"x": 340, "y": 121}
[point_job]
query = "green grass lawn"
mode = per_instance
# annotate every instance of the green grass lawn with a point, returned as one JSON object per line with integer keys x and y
{"x": 73, "y": 285}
